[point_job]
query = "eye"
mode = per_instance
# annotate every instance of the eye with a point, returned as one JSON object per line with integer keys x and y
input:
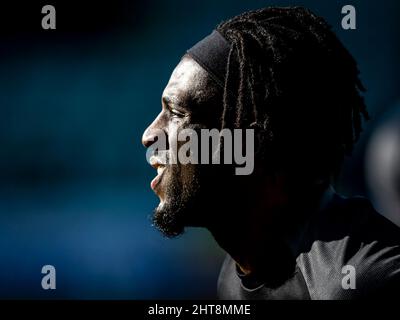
{"x": 176, "y": 113}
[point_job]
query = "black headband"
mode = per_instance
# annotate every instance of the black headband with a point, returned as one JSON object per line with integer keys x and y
{"x": 212, "y": 54}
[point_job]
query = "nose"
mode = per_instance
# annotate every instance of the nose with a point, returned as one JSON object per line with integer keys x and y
{"x": 149, "y": 137}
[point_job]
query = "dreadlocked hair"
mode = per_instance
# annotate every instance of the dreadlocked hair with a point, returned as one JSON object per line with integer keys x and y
{"x": 290, "y": 78}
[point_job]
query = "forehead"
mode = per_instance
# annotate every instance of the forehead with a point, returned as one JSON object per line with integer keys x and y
{"x": 190, "y": 83}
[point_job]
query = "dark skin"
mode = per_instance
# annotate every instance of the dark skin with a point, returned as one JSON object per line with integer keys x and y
{"x": 192, "y": 98}
{"x": 189, "y": 98}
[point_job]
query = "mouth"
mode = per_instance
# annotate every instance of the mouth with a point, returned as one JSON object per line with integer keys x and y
{"x": 156, "y": 164}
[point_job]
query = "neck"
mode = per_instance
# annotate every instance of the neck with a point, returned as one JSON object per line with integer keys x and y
{"x": 261, "y": 231}
{"x": 248, "y": 243}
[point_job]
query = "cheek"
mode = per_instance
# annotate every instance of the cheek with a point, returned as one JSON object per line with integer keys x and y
{"x": 173, "y": 131}
{"x": 174, "y": 127}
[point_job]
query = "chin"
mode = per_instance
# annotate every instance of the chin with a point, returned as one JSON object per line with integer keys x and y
{"x": 174, "y": 213}
{"x": 188, "y": 198}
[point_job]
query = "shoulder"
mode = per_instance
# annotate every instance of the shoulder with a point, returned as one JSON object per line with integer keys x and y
{"x": 351, "y": 251}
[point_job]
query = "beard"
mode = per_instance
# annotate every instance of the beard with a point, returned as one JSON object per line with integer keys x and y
{"x": 193, "y": 198}
{"x": 182, "y": 188}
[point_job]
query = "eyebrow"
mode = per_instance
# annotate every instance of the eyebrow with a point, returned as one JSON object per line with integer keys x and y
{"x": 169, "y": 102}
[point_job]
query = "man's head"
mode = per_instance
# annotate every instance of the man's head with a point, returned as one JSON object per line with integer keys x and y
{"x": 190, "y": 100}
{"x": 287, "y": 77}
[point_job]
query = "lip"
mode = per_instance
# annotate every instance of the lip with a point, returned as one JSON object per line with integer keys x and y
{"x": 157, "y": 179}
{"x": 156, "y": 164}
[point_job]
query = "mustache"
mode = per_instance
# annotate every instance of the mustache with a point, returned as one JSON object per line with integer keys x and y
{"x": 162, "y": 157}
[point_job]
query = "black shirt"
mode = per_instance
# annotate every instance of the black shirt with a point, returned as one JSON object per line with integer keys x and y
{"x": 345, "y": 238}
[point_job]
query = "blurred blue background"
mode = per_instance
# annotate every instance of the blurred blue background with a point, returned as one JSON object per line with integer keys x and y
{"x": 74, "y": 182}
